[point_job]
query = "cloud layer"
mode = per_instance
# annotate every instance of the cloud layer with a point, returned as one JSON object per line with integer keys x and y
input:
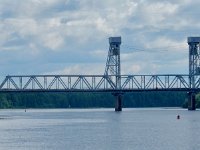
{"x": 71, "y": 36}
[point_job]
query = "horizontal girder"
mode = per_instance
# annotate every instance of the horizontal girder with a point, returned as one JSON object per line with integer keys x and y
{"x": 97, "y": 83}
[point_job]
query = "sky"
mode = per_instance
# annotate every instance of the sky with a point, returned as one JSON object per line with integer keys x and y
{"x": 71, "y": 36}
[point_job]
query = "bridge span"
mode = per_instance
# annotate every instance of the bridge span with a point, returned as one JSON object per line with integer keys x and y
{"x": 112, "y": 80}
{"x": 97, "y": 83}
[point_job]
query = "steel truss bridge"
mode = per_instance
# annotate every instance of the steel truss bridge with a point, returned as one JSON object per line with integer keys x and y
{"x": 112, "y": 80}
{"x": 97, "y": 83}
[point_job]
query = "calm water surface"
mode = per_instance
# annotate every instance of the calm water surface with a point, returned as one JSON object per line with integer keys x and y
{"x": 99, "y": 129}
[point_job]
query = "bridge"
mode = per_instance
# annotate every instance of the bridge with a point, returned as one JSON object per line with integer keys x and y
{"x": 112, "y": 80}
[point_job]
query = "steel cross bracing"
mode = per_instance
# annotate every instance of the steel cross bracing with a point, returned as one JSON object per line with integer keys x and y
{"x": 113, "y": 66}
{"x": 97, "y": 83}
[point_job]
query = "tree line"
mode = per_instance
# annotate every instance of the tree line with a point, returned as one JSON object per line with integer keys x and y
{"x": 93, "y": 100}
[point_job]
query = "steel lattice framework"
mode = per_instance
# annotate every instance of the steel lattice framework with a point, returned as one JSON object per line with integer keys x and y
{"x": 112, "y": 80}
{"x": 194, "y": 59}
{"x": 97, "y": 83}
{"x": 113, "y": 66}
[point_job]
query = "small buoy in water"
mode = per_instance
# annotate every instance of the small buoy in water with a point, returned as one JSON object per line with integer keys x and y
{"x": 178, "y": 117}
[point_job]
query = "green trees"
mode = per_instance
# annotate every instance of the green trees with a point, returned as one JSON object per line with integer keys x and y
{"x": 154, "y": 99}
{"x": 185, "y": 104}
{"x": 4, "y": 102}
{"x": 91, "y": 100}
{"x": 198, "y": 100}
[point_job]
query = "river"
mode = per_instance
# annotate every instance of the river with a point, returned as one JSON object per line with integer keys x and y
{"x": 99, "y": 129}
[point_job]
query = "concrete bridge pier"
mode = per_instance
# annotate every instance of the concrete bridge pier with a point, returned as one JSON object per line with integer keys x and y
{"x": 191, "y": 101}
{"x": 118, "y": 101}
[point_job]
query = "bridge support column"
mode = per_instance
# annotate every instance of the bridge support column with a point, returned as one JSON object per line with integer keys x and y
{"x": 191, "y": 101}
{"x": 118, "y": 101}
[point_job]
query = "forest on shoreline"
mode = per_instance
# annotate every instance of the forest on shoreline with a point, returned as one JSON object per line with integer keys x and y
{"x": 93, "y": 100}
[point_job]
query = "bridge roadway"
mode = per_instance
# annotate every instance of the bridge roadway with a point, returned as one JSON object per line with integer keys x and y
{"x": 98, "y": 83}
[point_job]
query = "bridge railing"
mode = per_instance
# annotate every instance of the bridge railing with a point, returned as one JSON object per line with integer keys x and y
{"x": 95, "y": 82}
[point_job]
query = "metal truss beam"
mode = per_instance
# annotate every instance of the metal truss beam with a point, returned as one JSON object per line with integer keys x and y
{"x": 97, "y": 83}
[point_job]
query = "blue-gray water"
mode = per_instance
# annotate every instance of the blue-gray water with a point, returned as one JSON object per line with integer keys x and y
{"x": 99, "y": 129}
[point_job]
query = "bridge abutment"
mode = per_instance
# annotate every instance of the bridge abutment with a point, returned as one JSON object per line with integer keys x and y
{"x": 191, "y": 101}
{"x": 118, "y": 101}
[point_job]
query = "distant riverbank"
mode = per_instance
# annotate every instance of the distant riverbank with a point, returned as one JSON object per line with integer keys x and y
{"x": 92, "y": 100}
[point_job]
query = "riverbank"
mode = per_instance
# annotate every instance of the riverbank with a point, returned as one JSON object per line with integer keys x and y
{"x": 91, "y": 100}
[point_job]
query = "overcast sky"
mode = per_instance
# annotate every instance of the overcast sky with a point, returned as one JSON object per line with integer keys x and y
{"x": 71, "y": 36}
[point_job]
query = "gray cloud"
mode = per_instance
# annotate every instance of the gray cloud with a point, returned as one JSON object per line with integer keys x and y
{"x": 44, "y": 36}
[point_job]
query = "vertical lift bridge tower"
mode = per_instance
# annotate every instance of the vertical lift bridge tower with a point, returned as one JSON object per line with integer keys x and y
{"x": 113, "y": 69}
{"x": 194, "y": 68}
